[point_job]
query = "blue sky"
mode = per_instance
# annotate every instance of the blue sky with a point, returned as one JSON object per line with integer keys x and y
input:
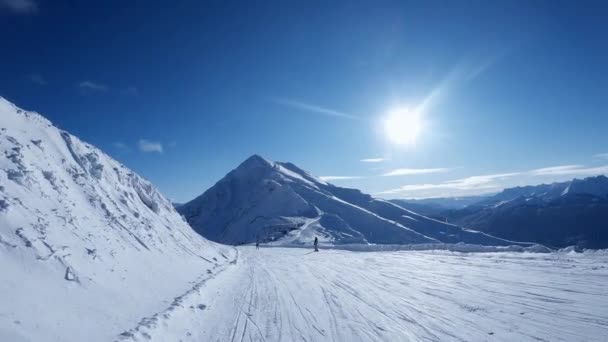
{"x": 505, "y": 92}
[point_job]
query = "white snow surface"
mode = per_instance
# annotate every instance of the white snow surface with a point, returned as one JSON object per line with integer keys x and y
{"x": 87, "y": 247}
{"x": 295, "y": 294}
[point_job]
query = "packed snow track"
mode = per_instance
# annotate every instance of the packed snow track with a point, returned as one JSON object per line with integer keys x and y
{"x": 292, "y": 294}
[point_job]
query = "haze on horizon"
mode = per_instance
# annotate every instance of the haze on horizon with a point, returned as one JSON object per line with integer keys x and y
{"x": 418, "y": 99}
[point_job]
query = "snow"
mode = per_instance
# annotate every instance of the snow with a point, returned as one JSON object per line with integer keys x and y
{"x": 294, "y": 294}
{"x": 87, "y": 247}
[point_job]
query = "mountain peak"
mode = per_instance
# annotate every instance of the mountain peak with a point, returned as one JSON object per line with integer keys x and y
{"x": 598, "y": 178}
{"x": 255, "y": 161}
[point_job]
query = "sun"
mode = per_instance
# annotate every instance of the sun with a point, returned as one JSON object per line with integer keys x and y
{"x": 402, "y": 126}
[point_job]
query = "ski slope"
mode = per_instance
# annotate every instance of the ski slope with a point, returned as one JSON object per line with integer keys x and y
{"x": 293, "y": 294}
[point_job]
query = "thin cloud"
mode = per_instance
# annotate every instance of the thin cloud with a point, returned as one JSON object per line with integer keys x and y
{"x": 38, "y": 79}
{"x": 601, "y": 156}
{"x": 403, "y": 172}
{"x": 332, "y": 178}
{"x": 480, "y": 182}
{"x": 570, "y": 170}
{"x": 312, "y": 108}
{"x": 476, "y": 185}
{"x": 90, "y": 87}
{"x": 473, "y": 184}
{"x": 148, "y": 146}
{"x": 555, "y": 170}
{"x": 19, "y": 6}
{"x": 372, "y": 160}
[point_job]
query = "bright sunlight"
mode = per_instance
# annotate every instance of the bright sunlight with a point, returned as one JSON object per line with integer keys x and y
{"x": 402, "y": 126}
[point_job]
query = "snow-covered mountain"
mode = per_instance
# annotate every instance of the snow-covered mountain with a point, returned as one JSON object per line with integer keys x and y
{"x": 558, "y": 215}
{"x": 269, "y": 201}
{"x": 87, "y": 247}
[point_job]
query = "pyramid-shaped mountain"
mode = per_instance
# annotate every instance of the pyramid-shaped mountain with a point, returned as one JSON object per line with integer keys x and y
{"x": 266, "y": 201}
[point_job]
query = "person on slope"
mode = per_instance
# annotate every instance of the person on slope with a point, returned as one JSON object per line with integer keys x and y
{"x": 316, "y": 244}
{"x": 257, "y": 244}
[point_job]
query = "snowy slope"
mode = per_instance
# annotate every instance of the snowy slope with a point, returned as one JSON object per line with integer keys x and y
{"x": 293, "y": 294}
{"x": 268, "y": 201}
{"x": 87, "y": 247}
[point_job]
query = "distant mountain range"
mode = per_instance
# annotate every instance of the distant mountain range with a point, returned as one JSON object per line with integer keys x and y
{"x": 557, "y": 215}
{"x": 434, "y": 206}
{"x": 268, "y": 201}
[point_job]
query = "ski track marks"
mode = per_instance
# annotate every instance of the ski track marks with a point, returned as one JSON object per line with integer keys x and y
{"x": 290, "y": 294}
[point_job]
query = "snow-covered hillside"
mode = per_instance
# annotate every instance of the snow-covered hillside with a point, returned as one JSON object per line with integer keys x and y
{"x": 87, "y": 247}
{"x": 268, "y": 201}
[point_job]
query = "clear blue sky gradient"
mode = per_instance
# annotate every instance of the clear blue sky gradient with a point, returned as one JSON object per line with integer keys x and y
{"x": 517, "y": 86}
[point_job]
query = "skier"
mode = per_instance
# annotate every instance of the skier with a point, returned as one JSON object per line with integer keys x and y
{"x": 316, "y": 244}
{"x": 257, "y": 244}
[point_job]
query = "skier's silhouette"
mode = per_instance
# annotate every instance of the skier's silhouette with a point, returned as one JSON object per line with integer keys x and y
{"x": 316, "y": 244}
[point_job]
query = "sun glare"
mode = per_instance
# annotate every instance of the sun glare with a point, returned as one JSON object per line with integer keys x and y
{"x": 402, "y": 126}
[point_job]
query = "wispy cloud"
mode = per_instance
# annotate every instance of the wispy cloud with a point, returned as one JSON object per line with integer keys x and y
{"x": 149, "y": 146}
{"x": 312, "y": 108}
{"x": 403, "y": 172}
{"x": 601, "y": 155}
{"x": 38, "y": 79}
{"x": 87, "y": 87}
{"x": 476, "y": 185}
{"x": 480, "y": 182}
{"x": 372, "y": 160}
{"x": 332, "y": 178}
{"x": 555, "y": 170}
{"x": 19, "y": 6}
{"x": 469, "y": 185}
{"x": 570, "y": 170}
